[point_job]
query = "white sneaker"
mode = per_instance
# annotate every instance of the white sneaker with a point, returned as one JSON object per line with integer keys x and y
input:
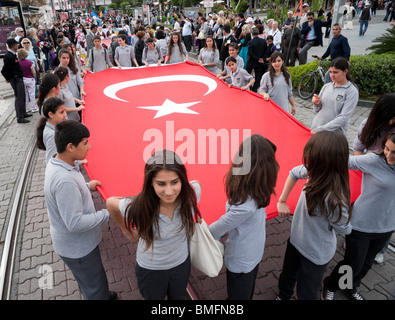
{"x": 379, "y": 258}
{"x": 34, "y": 110}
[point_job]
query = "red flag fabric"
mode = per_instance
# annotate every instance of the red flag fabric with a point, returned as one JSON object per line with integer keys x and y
{"x": 132, "y": 113}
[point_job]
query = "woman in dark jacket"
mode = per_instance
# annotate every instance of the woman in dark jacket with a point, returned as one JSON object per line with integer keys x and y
{"x": 139, "y": 47}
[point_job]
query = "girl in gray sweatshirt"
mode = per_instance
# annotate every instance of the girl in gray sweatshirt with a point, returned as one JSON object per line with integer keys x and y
{"x": 373, "y": 218}
{"x": 250, "y": 183}
{"x": 322, "y": 210}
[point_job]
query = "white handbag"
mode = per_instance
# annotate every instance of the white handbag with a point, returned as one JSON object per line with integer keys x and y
{"x": 205, "y": 252}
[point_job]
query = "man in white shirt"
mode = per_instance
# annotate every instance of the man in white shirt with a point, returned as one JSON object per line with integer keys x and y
{"x": 187, "y": 34}
{"x": 177, "y": 27}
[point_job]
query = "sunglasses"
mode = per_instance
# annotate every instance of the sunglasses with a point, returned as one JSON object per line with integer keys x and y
{"x": 25, "y": 43}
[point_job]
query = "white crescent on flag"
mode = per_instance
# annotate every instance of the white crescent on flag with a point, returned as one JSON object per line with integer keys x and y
{"x": 111, "y": 91}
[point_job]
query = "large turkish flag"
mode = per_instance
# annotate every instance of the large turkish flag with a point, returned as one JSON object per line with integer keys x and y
{"x": 133, "y": 112}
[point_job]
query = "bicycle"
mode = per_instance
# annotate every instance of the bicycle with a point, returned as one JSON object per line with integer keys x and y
{"x": 308, "y": 83}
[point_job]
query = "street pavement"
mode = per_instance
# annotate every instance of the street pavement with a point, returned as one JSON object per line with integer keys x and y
{"x": 36, "y": 256}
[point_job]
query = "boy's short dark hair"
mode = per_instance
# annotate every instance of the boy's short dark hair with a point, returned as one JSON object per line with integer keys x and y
{"x": 69, "y": 131}
{"x": 96, "y": 38}
{"x": 230, "y": 59}
{"x": 123, "y": 37}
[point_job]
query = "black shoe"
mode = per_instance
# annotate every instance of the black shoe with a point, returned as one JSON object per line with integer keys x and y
{"x": 353, "y": 294}
{"x": 22, "y": 120}
{"x": 113, "y": 295}
{"x": 27, "y": 115}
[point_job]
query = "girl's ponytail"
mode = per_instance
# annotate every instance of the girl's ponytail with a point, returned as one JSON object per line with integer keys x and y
{"x": 40, "y": 133}
{"x": 49, "y": 82}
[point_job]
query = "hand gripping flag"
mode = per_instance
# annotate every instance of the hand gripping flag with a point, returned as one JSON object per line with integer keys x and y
{"x": 132, "y": 113}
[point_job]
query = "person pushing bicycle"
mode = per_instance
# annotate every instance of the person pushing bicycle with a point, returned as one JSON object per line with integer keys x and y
{"x": 338, "y": 47}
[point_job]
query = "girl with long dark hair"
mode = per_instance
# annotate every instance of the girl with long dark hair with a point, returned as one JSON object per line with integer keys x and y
{"x": 371, "y": 132}
{"x": 53, "y": 112}
{"x": 76, "y": 84}
{"x": 176, "y": 50}
{"x": 209, "y": 55}
{"x": 250, "y": 183}
{"x": 276, "y": 84}
{"x": 161, "y": 219}
{"x": 337, "y": 100}
{"x": 373, "y": 219}
{"x": 323, "y": 209}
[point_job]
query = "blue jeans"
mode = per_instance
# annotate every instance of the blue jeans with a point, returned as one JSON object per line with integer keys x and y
{"x": 361, "y": 24}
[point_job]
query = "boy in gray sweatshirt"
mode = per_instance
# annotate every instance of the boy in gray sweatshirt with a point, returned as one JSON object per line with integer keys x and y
{"x": 74, "y": 221}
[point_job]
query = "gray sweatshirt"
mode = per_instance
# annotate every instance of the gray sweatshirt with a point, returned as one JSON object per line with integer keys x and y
{"x": 98, "y": 60}
{"x": 75, "y": 83}
{"x": 152, "y": 56}
{"x": 68, "y": 99}
{"x": 170, "y": 247}
{"x": 246, "y": 225}
{"x": 208, "y": 56}
{"x": 337, "y": 105}
{"x": 49, "y": 140}
{"x": 280, "y": 92}
{"x": 374, "y": 210}
{"x": 314, "y": 236}
{"x": 73, "y": 219}
{"x": 176, "y": 56}
{"x": 124, "y": 55}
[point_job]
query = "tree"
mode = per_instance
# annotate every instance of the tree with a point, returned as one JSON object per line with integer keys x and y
{"x": 385, "y": 43}
{"x": 276, "y": 10}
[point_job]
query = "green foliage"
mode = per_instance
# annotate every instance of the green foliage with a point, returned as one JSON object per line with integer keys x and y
{"x": 316, "y": 5}
{"x": 187, "y": 3}
{"x": 275, "y": 10}
{"x": 124, "y": 4}
{"x": 385, "y": 43}
{"x": 373, "y": 74}
{"x": 242, "y": 6}
{"x": 113, "y": 6}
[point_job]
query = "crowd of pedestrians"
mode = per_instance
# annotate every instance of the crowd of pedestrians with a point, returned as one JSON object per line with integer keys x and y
{"x": 160, "y": 218}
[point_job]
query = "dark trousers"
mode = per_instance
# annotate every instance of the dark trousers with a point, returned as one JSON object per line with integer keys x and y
{"x": 156, "y": 284}
{"x": 293, "y": 55}
{"x": 299, "y": 270}
{"x": 258, "y": 71}
{"x": 241, "y": 286}
{"x": 20, "y": 97}
{"x": 187, "y": 42}
{"x": 361, "y": 249}
{"x": 90, "y": 275}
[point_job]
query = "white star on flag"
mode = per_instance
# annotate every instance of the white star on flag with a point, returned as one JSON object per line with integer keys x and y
{"x": 169, "y": 107}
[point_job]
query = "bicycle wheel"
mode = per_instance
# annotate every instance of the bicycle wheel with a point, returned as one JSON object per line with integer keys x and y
{"x": 307, "y": 85}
